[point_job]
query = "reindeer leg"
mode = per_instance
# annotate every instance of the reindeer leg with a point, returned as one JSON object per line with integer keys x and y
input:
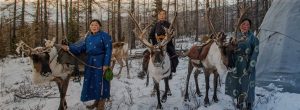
{"x": 113, "y": 64}
{"x": 156, "y": 86}
{"x": 196, "y": 74}
{"x": 190, "y": 69}
{"x": 60, "y": 88}
{"x": 216, "y": 76}
{"x": 127, "y": 66}
{"x": 206, "y": 100}
{"x": 65, "y": 88}
{"x": 121, "y": 65}
{"x": 153, "y": 90}
{"x": 119, "y": 74}
{"x": 167, "y": 91}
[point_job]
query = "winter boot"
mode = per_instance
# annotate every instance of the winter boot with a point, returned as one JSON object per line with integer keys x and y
{"x": 101, "y": 105}
{"x": 90, "y": 107}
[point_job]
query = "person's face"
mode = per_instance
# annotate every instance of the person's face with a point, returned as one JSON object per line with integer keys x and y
{"x": 94, "y": 27}
{"x": 161, "y": 16}
{"x": 245, "y": 26}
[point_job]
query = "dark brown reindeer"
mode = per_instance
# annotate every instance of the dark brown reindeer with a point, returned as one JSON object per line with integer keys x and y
{"x": 212, "y": 58}
{"x": 159, "y": 66}
{"x": 120, "y": 55}
{"x": 50, "y": 64}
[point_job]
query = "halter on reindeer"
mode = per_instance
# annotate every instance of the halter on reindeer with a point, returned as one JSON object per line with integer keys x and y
{"x": 159, "y": 66}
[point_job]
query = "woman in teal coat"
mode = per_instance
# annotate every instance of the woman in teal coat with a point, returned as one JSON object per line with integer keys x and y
{"x": 240, "y": 82}
{"x": 98, "y": 48}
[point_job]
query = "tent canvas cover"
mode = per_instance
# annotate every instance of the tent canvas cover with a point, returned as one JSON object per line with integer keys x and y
{"x": 279, "y": 51}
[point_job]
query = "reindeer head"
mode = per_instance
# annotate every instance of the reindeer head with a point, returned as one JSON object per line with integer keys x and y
{"x": 40, "y": 56}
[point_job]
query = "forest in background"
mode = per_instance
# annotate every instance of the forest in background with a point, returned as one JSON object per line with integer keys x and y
{"x": 35, "y": 20}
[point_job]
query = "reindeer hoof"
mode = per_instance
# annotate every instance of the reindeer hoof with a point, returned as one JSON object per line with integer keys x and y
{"x": 169, "y": 93}
{"x": 206, "y": 102}
{"x": 187, "y": 99}
{"x": 164, "y": 99}
{"x": 159, "y": 107}
{"x": 215, "y": 99}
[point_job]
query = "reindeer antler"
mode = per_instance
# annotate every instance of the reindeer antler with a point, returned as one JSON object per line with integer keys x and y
{"x": 142, "y": 32}
{"x": 22, "y": 46}
{"x": 169, "y": 31}
{"x": 210, "y": 24}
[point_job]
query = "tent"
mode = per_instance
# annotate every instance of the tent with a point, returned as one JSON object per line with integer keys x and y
{"x": 278, "y": 61}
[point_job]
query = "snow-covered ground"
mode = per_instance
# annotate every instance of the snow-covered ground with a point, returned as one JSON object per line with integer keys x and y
{"x": 18, "y": 93}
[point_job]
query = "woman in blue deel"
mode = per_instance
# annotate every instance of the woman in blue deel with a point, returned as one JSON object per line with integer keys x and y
{"x": 240, "y": 83}
{"x": 98, "y": 48}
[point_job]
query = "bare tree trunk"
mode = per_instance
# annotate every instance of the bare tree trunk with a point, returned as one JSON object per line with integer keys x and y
{"x": 185, "y": 17}
{"x": 256, "y": 14}
{"x": 113, "y": 22}
{"x": 67, "y": 17}
{"x": 119, "y": 22}
{"x": 45, "y": 20}
{"x": 62, "y": 19}
{"x": 131, "y": 35}
{"x": 108, "y": 19}
{"x": 176, "y": 9}
{"x": 89, "y": 13}
{"x": 197, "y": 20}
{"x": 56, "y": 23}
{"x": 41, "y": 26}
{"x": 138, "y": 12}
{"x": 207, "y": 17}
{"x": 78, "y": 22}
{"x": 23, "y": 20}
{"x": 190, "y": 22}
{"x": 36, "y": 24}
{"x": 158, "y": 6}
{"x": 238, "y": 8}
{"x": 144, "y": 14}
{"x": 168, "y": 6}
{"x": 266, "y": 6}
{"x": 13, "y": 39}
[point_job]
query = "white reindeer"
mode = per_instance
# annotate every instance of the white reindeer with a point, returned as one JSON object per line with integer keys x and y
{"x": 159, "y": 66}
{"x": 120, "y": 55}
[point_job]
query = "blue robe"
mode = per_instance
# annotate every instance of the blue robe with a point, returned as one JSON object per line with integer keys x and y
{"x": 98, "y": 48}
{"x": 241, "y": 81}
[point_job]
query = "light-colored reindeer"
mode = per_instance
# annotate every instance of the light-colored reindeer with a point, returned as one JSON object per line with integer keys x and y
{"x": 120, "y": 55}
{"x": 159, "y": 66}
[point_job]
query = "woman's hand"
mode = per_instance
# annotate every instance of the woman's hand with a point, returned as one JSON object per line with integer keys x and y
{"x": 105, "y": 68}
{"x": 65, "y": 47}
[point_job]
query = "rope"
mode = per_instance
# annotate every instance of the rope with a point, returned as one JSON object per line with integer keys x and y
{"x": 83, "y": 61}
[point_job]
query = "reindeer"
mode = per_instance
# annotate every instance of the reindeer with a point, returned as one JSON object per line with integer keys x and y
{"x": 48, "y": 67}
{"x": 213, "y": 61}
{"x": 159, "y": 66}
{"x": 120, "y": 55}
{"x": 212, "y": 57}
